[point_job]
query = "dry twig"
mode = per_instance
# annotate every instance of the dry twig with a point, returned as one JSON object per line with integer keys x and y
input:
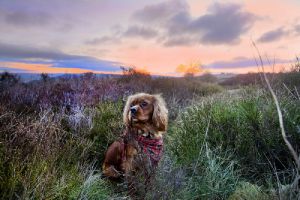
{"x": 287, "y": 142}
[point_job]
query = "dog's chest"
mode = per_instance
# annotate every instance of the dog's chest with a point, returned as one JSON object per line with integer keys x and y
{"x": 147, "y": 144}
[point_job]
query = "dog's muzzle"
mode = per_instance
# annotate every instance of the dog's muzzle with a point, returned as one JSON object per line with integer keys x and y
{"x": 133, "y": 110}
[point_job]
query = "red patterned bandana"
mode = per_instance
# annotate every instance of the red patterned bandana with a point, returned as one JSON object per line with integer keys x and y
{"x": 151, "y": 147}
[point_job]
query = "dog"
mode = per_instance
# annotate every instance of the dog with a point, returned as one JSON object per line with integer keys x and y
{"x": 140, "y": 146}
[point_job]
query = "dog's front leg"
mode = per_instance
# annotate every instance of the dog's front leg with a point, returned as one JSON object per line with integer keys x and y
{"x": 112, "y": 160}
{"x": 127, "y": 164}
{"x": 129, "y": 168}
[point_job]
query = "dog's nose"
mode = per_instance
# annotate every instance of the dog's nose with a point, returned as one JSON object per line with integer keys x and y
{"x": 133, "y": 110}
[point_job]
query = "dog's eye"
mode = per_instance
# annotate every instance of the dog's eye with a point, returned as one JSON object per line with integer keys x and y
{"x": 143, "y": 104}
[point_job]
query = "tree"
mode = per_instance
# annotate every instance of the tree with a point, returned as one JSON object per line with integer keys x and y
{"x": 45, "y": 77}
{"x": 9, "y": 78}
{"x": 88, "y": 76}
{"x": 135, "y": 73}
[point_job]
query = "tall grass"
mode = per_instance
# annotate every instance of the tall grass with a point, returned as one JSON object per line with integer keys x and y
{"x": 229, "y": 145}
{"x": 241, "y": 133}
{"x": 220, "y": 145}
{"x": 50, "y": 155}
{"x": 246, "y": 125}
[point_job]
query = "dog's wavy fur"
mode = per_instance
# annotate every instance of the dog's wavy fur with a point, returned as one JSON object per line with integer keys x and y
{"x": 160, "y": 113}
{"x": 119, "y": 158}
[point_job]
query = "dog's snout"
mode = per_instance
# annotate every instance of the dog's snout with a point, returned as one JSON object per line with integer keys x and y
{"x": 133, "y": 110}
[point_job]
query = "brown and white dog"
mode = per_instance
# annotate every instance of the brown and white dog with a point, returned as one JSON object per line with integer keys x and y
{"x": 140, "y": 147}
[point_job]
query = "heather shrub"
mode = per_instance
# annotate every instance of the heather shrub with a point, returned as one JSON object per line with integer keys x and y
{"x": 181, "y": 92}
{"x": 183, "y": 88}
{"x": 41, "y": 160}
{"x": 219, "y": 145}
{"x": 69, "y": 92}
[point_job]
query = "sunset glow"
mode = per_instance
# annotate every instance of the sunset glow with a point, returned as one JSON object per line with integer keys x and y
{"x": 61, "y": 36}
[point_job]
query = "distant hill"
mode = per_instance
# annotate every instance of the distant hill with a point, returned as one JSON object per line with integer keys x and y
{"x": 27, "y": 77}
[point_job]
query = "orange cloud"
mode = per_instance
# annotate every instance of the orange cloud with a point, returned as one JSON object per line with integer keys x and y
{"x": 47, "y": 68}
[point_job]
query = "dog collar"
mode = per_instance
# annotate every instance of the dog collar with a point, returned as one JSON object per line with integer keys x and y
{"x": 151, "y": 147}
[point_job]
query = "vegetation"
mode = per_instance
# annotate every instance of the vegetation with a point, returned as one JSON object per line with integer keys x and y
{"x": 221, "y": 143}
{"x": 291, "y": 79}
{"x": 243, "y": 128}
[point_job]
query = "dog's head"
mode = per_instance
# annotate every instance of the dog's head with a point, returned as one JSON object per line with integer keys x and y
{"x": 144, "y": 108}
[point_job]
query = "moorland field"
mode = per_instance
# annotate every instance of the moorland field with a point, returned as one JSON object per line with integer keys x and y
{"x": 223, "y": 142}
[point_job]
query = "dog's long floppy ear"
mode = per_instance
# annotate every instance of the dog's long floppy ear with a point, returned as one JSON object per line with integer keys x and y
{"x": 160, "y": 113}
{"x": 126, "y": 117}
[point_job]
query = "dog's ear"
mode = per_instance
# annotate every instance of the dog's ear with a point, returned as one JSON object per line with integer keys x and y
{"x": 126, "y": 117}
{"x": 160, "y": 113}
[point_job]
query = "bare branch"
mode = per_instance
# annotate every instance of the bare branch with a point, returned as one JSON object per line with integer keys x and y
{"x": 292, "y": 150}
{"x": 297, "y": 92}
{"x": 288, "y": 89}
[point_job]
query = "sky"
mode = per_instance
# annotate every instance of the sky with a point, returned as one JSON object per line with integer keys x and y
{"x": 78, "y": 36}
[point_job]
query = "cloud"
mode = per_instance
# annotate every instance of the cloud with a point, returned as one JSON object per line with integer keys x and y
{"x": 34, "y": 55}
{"x": 66, "y": 27}
{"x": 297, "y": 29}
{"x": 14, "y": 70}
{"x": 178, "y": 41}
{"x": 22, "y": 18}
{"x": 157, "y": 13}
{"x": 131, "y": 32}
{"x": 221, "y": 24}
{"x": 140, "y": 31}
{"x": 104, "y": 40}
{"x": 273, "y": 35}
{"x": 88, "y": 63}
{"x": 240, "y": 62}
{"x": 25, "y": 52}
